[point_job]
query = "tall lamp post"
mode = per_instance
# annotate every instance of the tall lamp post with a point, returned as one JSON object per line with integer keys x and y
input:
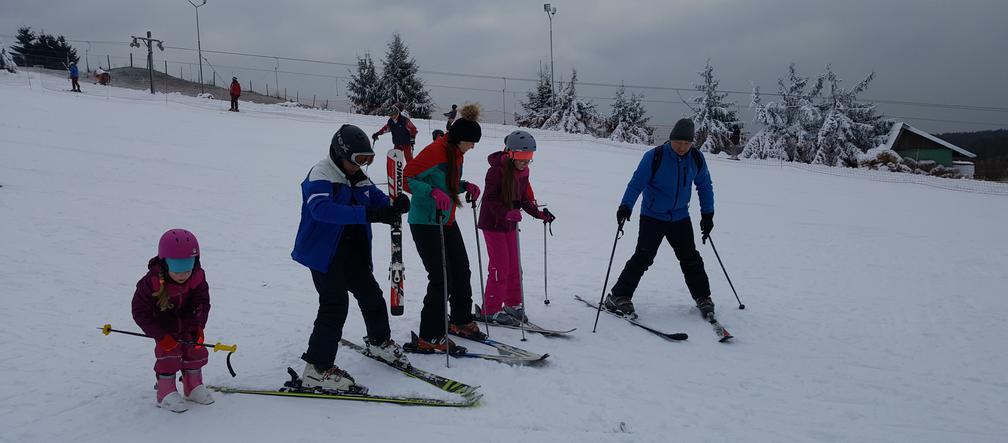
{"x": 150, "y": 54}
{"x": 550, "y": 12}
{"x": 199, "y": 47}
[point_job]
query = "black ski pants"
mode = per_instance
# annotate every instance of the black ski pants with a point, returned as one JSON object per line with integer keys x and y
{"x": 350, "y": 270}
{"x": 679, "y": 235}
{"x": 234, "y": 103}
{"x": 428, "y": 242}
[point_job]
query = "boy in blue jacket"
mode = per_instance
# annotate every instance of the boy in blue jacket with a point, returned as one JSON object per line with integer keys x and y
{"x": 339, "y": 203}
{"x": 664, "y": 176}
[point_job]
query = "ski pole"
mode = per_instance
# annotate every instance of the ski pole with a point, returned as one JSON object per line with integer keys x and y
{"x": 521, "y": 279}
{"x": 444, "y": 281}
{"x": 619, "y": 233}
{"x": 545, "y": 267}
{"x": 479, "y": 258}
{"x": 740, "y": 305}
{"x": 107, "y": 329}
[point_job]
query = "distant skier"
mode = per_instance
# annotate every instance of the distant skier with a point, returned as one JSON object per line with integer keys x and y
{"x": 451, "y": 116}
{"x": 664, "y": 175}
{"x": 74, "y": 76}
{"x": 235, "y": 93}
{"x": 435, "y": 180}
{"x": 339, "y": 203}
{"x": 403, "y": 132}
{"x": 736, "y": 141}
{"x": 507, "y": 189}
{"x": 171, "y": 304}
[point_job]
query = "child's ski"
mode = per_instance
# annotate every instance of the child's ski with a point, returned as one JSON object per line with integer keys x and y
{"x": 396, "y": 163}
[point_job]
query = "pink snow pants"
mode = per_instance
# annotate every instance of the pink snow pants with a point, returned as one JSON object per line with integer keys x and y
{"x": 503, "y": 286}
{"x": 182, "y": 357}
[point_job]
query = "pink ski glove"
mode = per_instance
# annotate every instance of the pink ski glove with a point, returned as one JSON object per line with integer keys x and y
{"x": 441, "y": 200}
{"x": 472, "y": 192}
{"x": 513, "y": 215}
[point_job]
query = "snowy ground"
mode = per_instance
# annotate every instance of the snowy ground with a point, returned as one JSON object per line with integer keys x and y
{"x": 874, "y": 310}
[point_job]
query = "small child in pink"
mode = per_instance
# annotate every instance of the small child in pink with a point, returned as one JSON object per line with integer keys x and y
{"x": 171, "y": 303}
{"x": 507, "y": 189}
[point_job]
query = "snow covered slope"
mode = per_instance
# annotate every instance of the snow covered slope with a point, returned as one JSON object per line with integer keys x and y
{"x": 875, "y": 311}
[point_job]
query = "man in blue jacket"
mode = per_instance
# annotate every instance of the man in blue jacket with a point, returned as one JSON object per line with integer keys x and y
{"x": 664, "y": 176}
{"x": 74, "y": 76}
{"x": 339, "y": 203}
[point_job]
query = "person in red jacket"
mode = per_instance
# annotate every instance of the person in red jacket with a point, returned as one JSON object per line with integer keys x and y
{"x": 403, "y": 132}
{"x": 235, "y": 93}
{"x": 507, "y": 193}
{"x": 171, "y": 304}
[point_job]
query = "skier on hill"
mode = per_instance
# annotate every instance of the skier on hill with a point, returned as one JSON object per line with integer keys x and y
{"x": 171, "y": 304}
{"x": 451, "y": 116}
{"x": 507, "y": 189}
{"x": 435, "y": 180}
{"x": 339, "y": 203}
{"x": 74, "y": 77}
{"x": 664, "y": 176}
{"x": 403, "y": 132}
{"x": 235, "y": 93}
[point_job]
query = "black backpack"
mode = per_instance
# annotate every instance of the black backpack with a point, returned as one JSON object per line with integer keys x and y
{"x": 656, "y": 161}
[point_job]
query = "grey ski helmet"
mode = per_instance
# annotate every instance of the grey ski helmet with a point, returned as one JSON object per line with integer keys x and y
{"x": 520, "y": 144}
{"x": 350, "y": 143}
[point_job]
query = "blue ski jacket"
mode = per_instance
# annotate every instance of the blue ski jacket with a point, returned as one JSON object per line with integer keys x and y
{"x": 327, "y": 205}
{"x": 667, "y": 195}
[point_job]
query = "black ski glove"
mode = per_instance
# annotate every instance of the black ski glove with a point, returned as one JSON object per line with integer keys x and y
{"x": 622, "y": 214}
{"x": 374, "y": 136}
{"x": 387, "y": 215}
{"x": 401, "y": 204}
{"x": 547, "y": 216}
{"x": 706, "y": 225}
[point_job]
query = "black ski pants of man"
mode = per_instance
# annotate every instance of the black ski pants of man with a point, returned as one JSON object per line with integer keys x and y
{"x": 350, "y": 269}
{"x": 234, "y": 103}
{"x": 428, "y": 242}
{"x": 679, "y": 235}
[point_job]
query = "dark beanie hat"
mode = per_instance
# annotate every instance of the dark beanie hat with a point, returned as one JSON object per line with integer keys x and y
{"x": 683, "y": 130}
{"x": 466, "y": 128}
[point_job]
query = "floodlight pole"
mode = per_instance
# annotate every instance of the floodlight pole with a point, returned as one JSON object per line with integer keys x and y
{"x": 199, "y": 46}
{"x": 150, "y": 54}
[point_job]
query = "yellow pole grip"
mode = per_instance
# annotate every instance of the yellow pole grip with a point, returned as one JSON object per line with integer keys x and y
{"x": 223, "y": 347}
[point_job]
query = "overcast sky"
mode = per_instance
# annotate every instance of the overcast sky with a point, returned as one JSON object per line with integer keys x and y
{"x": 922, "y": 51}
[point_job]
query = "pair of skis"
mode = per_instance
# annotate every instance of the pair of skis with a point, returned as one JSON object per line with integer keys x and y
{"x": 396, "y": 163}
{"x": 719, "y": 330}
{"x": 528, "y": 326}
{"x": 293, "y": 388}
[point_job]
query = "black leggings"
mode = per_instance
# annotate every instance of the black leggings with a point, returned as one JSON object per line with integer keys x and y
{"x": 428, "y": 242}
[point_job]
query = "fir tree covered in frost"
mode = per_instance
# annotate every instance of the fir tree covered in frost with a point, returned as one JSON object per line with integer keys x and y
{"x": 791, "y": 124}
{"x": 574, "y": 115}
{"x": 628, "y": 121}
{"x": 365, "y": 88}
{"x": 713, "y": 115}
{"x": 400, "y": 83}
{"x": 538, "y": 104}
{"x": 850, "y": 128}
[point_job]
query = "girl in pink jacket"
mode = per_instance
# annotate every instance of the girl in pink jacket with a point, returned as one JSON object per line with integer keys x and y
{"x": 507, "y": 189}
{"x": 171, "y": 303}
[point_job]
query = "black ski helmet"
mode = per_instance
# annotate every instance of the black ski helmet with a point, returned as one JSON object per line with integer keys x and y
{"x": 347, "y": 141}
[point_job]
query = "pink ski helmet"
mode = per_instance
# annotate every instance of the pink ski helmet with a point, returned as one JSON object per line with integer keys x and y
{"x": 178, "y": 244}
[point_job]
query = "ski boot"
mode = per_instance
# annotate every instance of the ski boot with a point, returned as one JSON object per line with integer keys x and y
{"x": 516, "y": 312}
{"x": 167, "y": 394}
{"x": 192, "y": 385}
{"x": 333, "y": 379}
{"x": 437, "y": 346}
{"x": 620, "y": 305}
{"x": 470, "y": 330}
{"x": 387, "y": 351}
{"x": 706, "y": 306}
{"x": 504, "y": 318}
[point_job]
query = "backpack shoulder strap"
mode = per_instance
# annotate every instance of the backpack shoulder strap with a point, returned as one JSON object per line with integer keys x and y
{"x": 656, "y": 160}
{"x": 697, "y": 159}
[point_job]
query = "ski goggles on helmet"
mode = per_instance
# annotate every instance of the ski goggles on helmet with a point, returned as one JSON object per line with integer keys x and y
{"x": 521, "y": 155}
{"x": 362, "y": 159}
